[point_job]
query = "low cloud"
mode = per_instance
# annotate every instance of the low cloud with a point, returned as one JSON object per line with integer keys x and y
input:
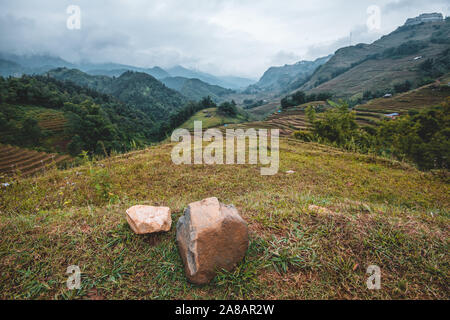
{"x": 224, "y": 37}
{"x": 283, "y": 57}
{"x": 359, "y": 34}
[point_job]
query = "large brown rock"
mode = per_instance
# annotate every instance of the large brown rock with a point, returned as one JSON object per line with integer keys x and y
{"x": 211, "y": 236}
{"x": 146, "y": 219}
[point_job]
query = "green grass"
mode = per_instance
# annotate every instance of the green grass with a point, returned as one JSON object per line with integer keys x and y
{"x": 211, "y": 118}
{"x": 379, "y": 213}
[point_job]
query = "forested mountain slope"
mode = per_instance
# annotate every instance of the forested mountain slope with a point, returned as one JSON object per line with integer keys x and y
{"x": 195, "y": 89}
{"x": 139, "y": 90}
{"x": 44, "y": 113}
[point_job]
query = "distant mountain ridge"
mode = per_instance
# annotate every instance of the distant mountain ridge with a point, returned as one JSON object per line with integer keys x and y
{"x": 396, "y": 57}
{"x": 8, "y": 68}
{"x": 228, "y": 82}
{"x": 190, "y": 89}
{"x": 117, "y": 71}
{"x": 195, "y": 89}
{"x": 36, "y": 61}
{"x": 16, "y": 65}
{"x": 97, "y": 75}
{"x": 288, "y": 76}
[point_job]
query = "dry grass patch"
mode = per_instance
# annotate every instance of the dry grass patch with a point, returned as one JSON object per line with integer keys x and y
{"x": 377, "y": 212}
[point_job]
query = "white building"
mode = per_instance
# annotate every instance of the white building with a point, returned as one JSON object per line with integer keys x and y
{"x": 426, "y": 17}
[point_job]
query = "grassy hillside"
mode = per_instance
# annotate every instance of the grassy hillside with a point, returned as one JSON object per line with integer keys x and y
{"x": 288, "y": 121}
{"x": 426, "y": 96}
{"x": 262, "y": 111}
{"x": 380, "y": 65}
{"x": 312, "y": 233}
{"x": 212, "y": 118}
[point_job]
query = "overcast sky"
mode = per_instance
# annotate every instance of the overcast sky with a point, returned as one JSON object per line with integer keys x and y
{"x": 222, "y": 37}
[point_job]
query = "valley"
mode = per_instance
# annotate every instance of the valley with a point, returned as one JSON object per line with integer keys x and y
{"x": 367, "y": 114}
{"x": 363, "y": 176}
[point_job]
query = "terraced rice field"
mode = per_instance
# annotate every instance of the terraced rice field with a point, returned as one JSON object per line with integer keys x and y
{"x": 14, "y": 160}
{"x": 368, "y": 114}
{"x": 423, "y": 97}
{"x": 287, "y": 122}
{"x": 52, "y": 121}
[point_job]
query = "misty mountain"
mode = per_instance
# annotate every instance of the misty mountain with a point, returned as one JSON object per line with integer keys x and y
{"x": 228, "y": 82}
{"x": 39, "y": 64}
{"x": 236, "y": 82}
{"x": 16, "y": 65}
{"x": 413, "y": 52}
{"x": 37, "y": 61}
{"x": 8, "y": 68}
{"x": 195, "y": 89}
{"x": 116, "y": 70}
{"x": 287, "y": 77}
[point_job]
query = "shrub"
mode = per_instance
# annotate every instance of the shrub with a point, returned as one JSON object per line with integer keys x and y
{"x": 75, "y": 146}
{"x": 405, "y": 49}
{"x": 403, "y": 87}
{"x": 304, "y": 135}
{"x": 420, "y": 137}
{"x": 300, "y": 97}
{"x": 228, "y": 109}
{"x": 423, "y": 138}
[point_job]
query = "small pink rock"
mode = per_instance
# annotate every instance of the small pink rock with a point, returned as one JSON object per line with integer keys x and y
{"x": 146, "y": 219}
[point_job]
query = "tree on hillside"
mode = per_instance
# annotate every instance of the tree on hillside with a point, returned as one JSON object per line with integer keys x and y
{"x": 423, "y": 138}
{"x": 299, "y": 97}
{"x": 338, "y": 124}
{"x": 285, "y": 103}
{"x": 76, "y": 146}
{"x": 31, "y": 132}
{"x": 403, "y": 86}
{"x": 228, "y": 109}
{"x": 207, "y": 102}
{"x": 311, "y": 114}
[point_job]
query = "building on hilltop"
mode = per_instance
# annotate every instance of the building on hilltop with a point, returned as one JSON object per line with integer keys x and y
{"x": 426, "y": 17}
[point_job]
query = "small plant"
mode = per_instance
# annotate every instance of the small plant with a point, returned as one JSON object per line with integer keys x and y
{"x": 101, "y": 182}
{"x": 283, "y": 256}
